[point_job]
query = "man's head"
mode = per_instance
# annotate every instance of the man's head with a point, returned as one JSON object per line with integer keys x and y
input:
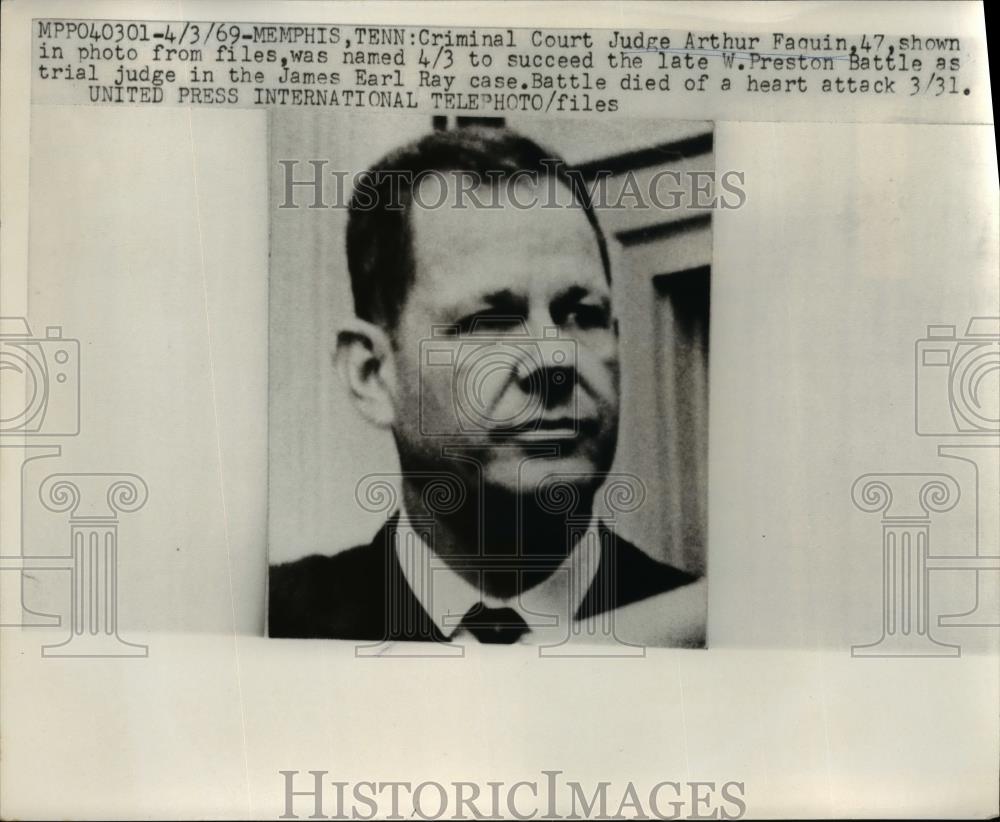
{"x": 481, "y": 284}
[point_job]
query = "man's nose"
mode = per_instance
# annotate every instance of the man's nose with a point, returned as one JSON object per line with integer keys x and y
{"x": 551, "y": 378}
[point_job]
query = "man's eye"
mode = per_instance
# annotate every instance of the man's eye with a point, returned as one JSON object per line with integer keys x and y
{"x": 588, "y": 315}
{"x": 489, "y": 323}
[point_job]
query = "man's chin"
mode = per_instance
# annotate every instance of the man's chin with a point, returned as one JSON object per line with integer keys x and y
{"x": 544, "y": 476}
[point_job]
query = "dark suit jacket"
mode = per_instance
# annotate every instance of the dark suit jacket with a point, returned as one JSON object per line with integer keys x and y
{"x": 362, "y": 593}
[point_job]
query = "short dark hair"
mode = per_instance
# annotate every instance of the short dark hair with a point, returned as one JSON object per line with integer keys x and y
{"x": 379, "y": 234}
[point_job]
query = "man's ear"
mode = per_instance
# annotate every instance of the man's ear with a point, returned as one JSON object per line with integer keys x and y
{"x": 364, "y": 359}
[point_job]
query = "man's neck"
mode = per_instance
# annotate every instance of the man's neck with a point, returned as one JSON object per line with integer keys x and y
{"x": 499, "y": 542}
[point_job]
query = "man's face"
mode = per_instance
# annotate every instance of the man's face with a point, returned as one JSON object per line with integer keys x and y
{"x": 526, "y": 383}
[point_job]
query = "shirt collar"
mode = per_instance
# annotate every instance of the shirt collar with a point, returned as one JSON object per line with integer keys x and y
{"x": 447, "y": 597}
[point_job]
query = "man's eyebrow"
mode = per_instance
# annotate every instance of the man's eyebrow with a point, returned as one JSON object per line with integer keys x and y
{"x": 573, "y": 295}
{"x": 502, "y": 299}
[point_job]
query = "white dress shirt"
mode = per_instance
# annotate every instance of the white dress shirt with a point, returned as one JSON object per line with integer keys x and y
{"x": 547, "y": 608}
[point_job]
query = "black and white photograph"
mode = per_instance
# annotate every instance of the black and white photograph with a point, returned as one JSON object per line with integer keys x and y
{"x": 498, "y": 410}
{"x": 489, "y": 358}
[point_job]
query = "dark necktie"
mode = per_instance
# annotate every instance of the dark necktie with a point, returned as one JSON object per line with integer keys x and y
{"x": 498, "y": 625}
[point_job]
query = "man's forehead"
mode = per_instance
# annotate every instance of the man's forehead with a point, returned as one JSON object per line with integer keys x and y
{"x": 526, "y": 235}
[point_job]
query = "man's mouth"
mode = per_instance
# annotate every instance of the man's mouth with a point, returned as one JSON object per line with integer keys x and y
{"x": 548, "y": 428}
